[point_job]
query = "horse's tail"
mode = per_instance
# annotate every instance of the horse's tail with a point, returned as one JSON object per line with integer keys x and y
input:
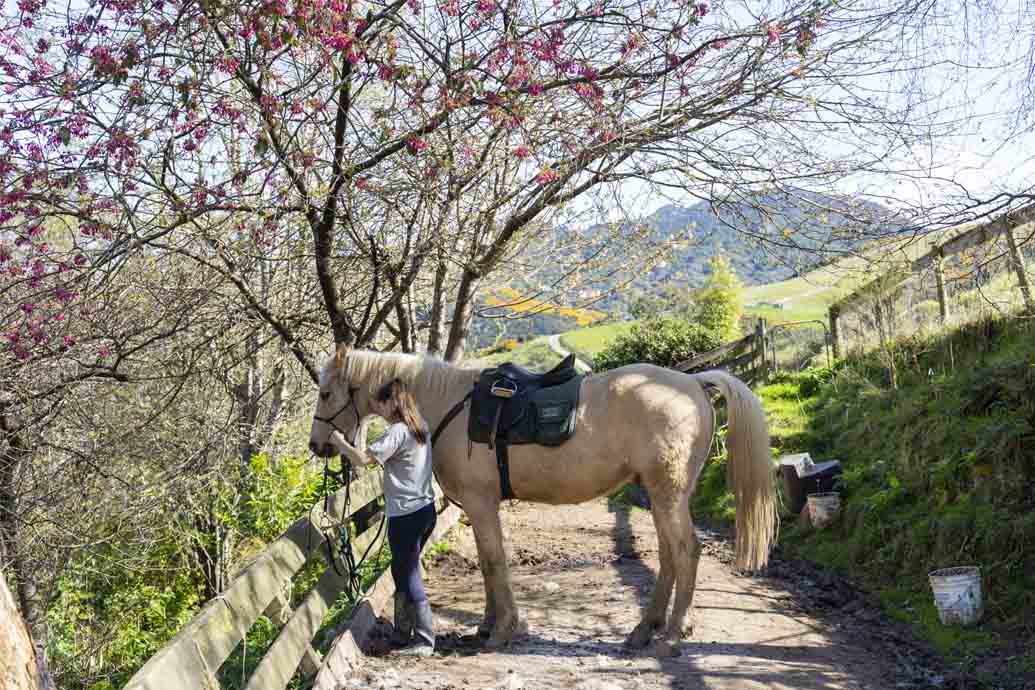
{"x": 751, "y": 468}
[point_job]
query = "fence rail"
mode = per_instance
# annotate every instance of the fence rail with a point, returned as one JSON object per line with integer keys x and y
{"x": 193, "y": 657}
{"x": 746, "y": 357}
{"x": 879, "y": 294}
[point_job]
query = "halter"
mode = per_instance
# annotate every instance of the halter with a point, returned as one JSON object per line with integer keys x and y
{"x": 329, "y": 421}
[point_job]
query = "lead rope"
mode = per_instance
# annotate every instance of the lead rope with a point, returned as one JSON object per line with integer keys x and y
{"x": 353, "y": 587}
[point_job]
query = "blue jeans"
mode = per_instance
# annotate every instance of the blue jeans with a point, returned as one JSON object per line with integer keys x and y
{"x": 407, "y": 535}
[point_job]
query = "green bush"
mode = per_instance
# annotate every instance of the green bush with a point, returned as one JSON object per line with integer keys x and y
{"x": 662, "y": 341}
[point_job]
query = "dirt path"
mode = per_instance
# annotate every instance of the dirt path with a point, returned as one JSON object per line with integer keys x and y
{"x": 555, "y": 345}
{"x": 580, "y": 575}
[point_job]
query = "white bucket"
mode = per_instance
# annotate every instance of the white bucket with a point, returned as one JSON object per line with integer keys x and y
{"x": 957, "y": 594}
{"x": 824, "y": 508}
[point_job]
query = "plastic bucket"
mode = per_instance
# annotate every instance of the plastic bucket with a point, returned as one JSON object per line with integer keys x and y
{"x": 824, "y": 508}
{"x": 957, "y": 594}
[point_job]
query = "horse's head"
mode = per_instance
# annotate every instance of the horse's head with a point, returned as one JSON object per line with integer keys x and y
{"x": 337, "y": 407}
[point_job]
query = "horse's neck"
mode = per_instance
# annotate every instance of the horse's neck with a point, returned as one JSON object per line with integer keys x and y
{"x": 435, "y": 402}
{"x": 435, "y": 390}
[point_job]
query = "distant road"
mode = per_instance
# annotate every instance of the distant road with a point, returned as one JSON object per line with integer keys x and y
{"x": 555, "y": 345}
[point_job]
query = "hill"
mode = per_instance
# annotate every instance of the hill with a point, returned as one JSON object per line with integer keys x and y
{"x": 768, "y": 239}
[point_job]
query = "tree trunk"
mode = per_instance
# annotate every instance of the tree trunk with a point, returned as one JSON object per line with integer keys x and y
{"x": 462, "y": 314}
{"x": 13, "y": 451}
{"x": 22, "y": 666}
{"x": 438, "y": 310}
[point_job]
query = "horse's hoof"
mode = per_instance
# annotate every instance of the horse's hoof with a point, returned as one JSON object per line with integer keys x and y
{"x": 497, "y": 641}
{"x": 639, "y": 637}
{"x": 502, "y": 638}
{"x": 667, "y": 649}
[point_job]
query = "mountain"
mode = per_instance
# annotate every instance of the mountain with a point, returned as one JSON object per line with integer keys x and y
{"x": 767, "y": 239}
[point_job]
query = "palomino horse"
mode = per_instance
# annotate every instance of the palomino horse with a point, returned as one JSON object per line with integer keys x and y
{"x": 636, "y": 423}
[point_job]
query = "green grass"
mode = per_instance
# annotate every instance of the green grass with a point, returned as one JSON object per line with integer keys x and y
{"x": 589, "y": 341}
{"x": 534, "y": 354}
{"x": 938, "y": 473}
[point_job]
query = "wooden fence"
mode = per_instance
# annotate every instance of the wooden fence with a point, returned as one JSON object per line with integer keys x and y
{"x": 879, "y": 294}
{"x": 745, "y": 358}
{"x": 192, "y": 659}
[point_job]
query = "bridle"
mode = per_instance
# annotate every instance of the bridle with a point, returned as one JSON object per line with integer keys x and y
{"x": 329, "y": 421}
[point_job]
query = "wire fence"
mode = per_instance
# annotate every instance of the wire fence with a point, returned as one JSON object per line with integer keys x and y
{"x": 983, "y": 271}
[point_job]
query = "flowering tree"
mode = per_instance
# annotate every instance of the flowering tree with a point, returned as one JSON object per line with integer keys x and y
{"x": 224, "y": 130}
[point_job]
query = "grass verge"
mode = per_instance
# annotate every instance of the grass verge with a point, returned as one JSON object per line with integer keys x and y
{"x": 938, "y": 471}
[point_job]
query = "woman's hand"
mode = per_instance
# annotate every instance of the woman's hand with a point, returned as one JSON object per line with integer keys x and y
{"x": 356, "y": 457}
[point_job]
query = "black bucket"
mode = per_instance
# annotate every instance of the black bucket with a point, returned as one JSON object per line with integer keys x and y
{"x": 818, "y": 478}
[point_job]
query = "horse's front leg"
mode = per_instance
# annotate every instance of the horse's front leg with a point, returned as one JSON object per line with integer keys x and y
{"x": 489, "y": 619}
{"x": 500, "y": 610}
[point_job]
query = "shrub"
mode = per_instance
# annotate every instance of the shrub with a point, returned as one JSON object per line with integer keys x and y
{"x": 662, "y": 341}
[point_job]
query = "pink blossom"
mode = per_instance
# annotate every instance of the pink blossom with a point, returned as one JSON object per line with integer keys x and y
{"x": 103, "y": 354}
{"x": 227, "y": 63}
{"x": 536, "y": 89}
{"x": 416, "y": 145}
{"x": 452, "y": 8}
{"x": 546, "y": 176}
{"x": 69, "y": 340}
{"x": 522, "y": 152}
{"x": 486, "y": 6}
{"x": 385, "y": 72}
{"x": 702, "y": 9}
{"x": 773, "y": 32}
{"x": 28, "y": 307}
{"x": 362, "y": 183}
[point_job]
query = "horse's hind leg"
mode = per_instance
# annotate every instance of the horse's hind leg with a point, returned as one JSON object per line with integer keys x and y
{"x": 686, "y": 549}
{"x": 654, "y": 614}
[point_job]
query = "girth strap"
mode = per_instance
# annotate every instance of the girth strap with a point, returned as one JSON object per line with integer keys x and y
{"x": 503, "y": 464}
{"x": 502, "y": 458}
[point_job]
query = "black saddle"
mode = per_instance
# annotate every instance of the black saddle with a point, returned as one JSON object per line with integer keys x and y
{"x": 564, "y": 371}
{"x": 511, "y": 405}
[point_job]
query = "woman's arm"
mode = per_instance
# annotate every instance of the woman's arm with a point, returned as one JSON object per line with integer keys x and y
{"x": 355, "y": 456}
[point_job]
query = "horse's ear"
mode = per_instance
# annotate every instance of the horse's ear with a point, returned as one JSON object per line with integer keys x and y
{"x": 340, "y": 352}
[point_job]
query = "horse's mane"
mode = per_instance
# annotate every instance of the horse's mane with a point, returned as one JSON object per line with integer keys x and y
{"x": 371, "y": 368}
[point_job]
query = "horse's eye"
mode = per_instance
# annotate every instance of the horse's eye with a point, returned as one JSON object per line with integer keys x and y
{"x": 324, "y": 395}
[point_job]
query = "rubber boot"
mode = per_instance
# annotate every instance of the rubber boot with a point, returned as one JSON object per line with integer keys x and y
{"x": 423, "y": 643}
{"x": 402, "y": 621}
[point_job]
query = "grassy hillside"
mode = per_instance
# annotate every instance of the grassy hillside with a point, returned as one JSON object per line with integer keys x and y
{"x": 534, "y": 354}
{"x": 939, "y": 473}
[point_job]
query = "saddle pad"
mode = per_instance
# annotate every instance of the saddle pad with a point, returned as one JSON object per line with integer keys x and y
{"x": 545, "y": 416}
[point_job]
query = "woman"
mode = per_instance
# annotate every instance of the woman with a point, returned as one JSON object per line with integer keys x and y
{"x": 404, "y": 451}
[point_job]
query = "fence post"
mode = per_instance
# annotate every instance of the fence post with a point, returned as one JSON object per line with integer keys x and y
{"x": 835, "y": 336}
{"x": 760, "y": 350}
{"x": 943, "y": 302}
{"x": 1018, "y": 266}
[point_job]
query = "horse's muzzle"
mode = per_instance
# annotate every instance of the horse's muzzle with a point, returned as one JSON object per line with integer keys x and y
{"x": 325, "y": 450}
